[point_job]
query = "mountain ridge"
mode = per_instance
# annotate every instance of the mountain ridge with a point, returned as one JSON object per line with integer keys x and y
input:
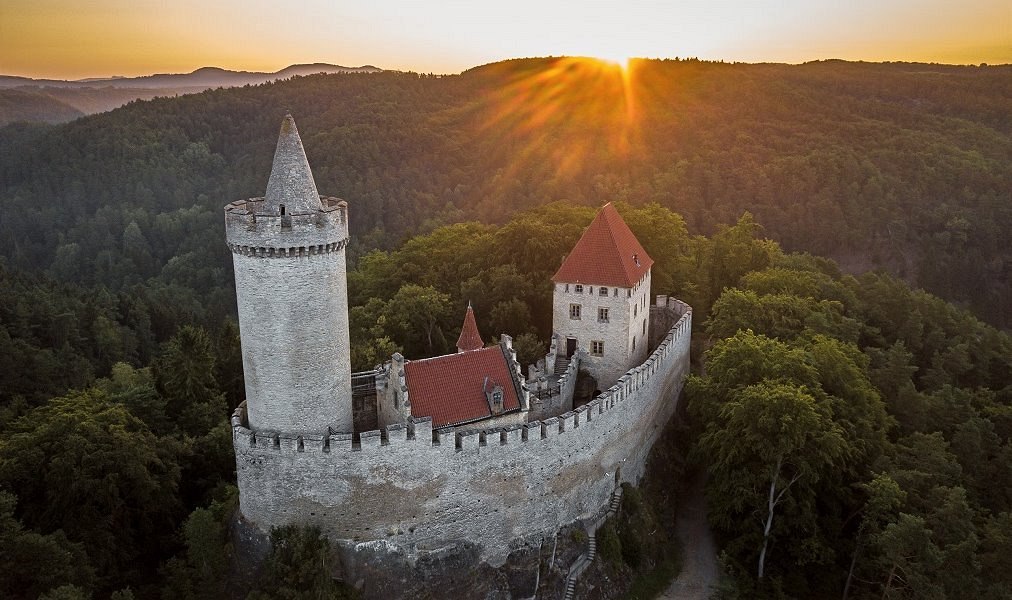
{"x": 207, "y": 75}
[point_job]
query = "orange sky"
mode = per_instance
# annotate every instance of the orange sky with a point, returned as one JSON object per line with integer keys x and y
{"x": 94, "y": 38}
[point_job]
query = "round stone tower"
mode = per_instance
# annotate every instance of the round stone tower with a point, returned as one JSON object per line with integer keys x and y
{"x": 290, "y": 283}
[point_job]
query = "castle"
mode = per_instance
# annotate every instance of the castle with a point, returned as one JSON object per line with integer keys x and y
{"x": 467, "y": 455}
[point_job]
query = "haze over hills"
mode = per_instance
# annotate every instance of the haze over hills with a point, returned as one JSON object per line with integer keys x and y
{"x": 31, "y": 106}
{"x": 206, "y": 77}
{"x": 58, "y": 101}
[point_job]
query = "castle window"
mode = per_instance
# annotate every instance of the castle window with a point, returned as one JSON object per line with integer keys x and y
{"x": 644, "y": 327}
{"x": 574, "y": 311}
{"x": 634, "y": 343}
{"x": 602, "y": 292}
{"x": 578, "y": 288}
{"x": 602, "y": 315}
{"x": 397, "y": 400}
{"x": 635, "y": 308}
{"x": 590, "y": 290}
{"x": 597, "y": 348}
{"x": 282, "y": 210}
{"x": 567, "y": 288}
{"x": 616, "y": 293}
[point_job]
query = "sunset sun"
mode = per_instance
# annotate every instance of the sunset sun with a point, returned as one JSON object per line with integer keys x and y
{"x": 616, "y": 58}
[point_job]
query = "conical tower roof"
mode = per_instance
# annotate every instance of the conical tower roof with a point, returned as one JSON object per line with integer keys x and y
{"x": 291, "y": 183}
{"x": 469, "y": 338}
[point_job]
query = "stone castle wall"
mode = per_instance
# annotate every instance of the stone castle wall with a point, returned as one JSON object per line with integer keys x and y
{"x": 407, "y": 490}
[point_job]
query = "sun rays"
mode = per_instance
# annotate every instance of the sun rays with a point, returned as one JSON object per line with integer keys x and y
{"x": 534, "y": 116}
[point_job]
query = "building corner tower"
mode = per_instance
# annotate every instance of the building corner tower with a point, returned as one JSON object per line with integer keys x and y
{"x": 601, "y": 301}
{"x": 288, "y": 250}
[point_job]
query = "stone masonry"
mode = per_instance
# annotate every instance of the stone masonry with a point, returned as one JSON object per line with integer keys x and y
{"x": 622, "y": 333}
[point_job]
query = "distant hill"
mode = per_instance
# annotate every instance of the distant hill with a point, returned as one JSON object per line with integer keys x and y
{"x": 36, "y": 101}
{"x": 32, "y": 106}
{"x": 904, "y": 167}
{"x": 204, "y": 78}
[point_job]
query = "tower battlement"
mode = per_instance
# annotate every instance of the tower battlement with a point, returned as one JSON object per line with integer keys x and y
{"x": 249, "y": 224}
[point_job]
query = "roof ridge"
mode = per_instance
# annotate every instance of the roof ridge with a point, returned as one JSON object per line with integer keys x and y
{"x": 428, "y": 358}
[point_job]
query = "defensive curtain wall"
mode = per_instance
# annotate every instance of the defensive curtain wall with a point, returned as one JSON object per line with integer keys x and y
{"x": 408, "y": 490}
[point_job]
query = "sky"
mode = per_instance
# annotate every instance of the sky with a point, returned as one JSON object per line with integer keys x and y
{"x": 71, "y": 39}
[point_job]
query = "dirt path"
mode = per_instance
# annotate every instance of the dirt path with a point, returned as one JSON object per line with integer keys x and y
{"x": 699, "y": 563}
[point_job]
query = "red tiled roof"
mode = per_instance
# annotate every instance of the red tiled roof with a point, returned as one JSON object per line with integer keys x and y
{"x": 450, "y": 388}
{"x": 469, "y": 338}
{"x": 606, "y": 254}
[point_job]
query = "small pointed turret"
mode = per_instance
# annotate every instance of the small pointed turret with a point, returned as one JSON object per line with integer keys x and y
{"x": 469, "y": 338}
{"x": 291, "y": 188}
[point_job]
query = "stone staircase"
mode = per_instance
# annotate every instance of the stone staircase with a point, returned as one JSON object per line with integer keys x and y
{"x": 561, "y": 364}
{"x": 584, "y": 560}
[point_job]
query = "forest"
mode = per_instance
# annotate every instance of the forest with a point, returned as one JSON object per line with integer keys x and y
{"x": 856, "y": 428}
{"x": 897, "y": 166}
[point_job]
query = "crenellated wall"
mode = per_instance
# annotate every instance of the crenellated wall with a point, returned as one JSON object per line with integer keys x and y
{"x": 248, "y": 230}
{"x": 412, "y": 490}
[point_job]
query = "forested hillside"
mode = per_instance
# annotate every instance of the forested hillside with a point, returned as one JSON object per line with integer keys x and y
{"x": 901, "y": 166}
{"x": 35, "y": 106}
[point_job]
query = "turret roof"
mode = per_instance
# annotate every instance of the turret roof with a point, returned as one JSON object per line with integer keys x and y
{"x": 291, "y": 183}
{"x": 607, "y": 254}
{"x": 469, "y": 338}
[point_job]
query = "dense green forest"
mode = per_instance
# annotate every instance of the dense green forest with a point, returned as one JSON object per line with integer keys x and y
{"x": 867, "y": 422}
{"x": 901, "y": 166}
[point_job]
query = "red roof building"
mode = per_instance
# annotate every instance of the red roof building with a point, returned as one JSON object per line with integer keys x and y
{"x": 607, "y": 254}
{"x": 601, "y": 301}
{"x": 462, "y": 388}
{"x": 469, "y": 338}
